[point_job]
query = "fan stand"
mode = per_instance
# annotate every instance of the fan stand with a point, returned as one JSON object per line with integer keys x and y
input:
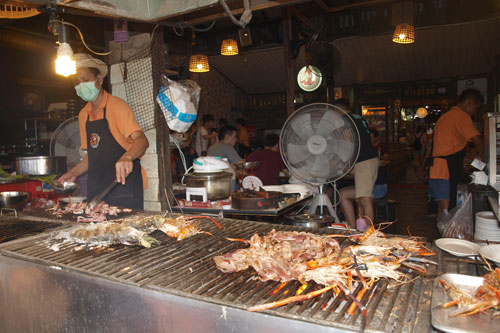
{"x": 320, "y": 200}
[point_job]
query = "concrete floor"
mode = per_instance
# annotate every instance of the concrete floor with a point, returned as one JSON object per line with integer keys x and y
{"x": 412, "y": 207}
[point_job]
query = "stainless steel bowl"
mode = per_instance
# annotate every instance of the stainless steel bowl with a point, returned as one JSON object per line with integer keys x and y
{"x": 218, "y": 184}
{"x": 13, "y": 199}
{"x": 247, "y": 165}
{"x": 64, "y": 188}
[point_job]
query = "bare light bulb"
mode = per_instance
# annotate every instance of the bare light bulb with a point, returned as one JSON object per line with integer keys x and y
{"x": 402, "y": 36}
{"x": 65, "y": 64}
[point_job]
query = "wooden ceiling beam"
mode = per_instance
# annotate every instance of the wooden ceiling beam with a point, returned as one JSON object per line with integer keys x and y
{"x": 238, "y": 11}
{"x": 322, "y": 5}
{"x": 361, "y": 4}
{"x": 302, "y": 17}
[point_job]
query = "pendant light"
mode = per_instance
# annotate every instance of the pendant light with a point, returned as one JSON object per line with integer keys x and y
{"x": 404, "y": 34}
{"x": 229, "y": 47}
{"x": 65, "y": 64}
{"x": 405, "y": 31}
{"x": 198, "y": 63}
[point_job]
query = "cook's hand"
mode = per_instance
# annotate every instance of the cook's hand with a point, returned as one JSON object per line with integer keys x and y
{"x": 123, "y": 167}
{"x": 67, "y": 177}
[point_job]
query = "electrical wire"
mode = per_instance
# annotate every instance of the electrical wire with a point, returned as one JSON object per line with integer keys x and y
{"x": 81, "y": 37}
{"x": 175, "y": 31}
{"x": 183, "y": 159}
{"x": 244, "y": 18}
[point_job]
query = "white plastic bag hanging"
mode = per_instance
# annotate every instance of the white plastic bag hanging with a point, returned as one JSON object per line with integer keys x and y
{"x": 179, "y": 103}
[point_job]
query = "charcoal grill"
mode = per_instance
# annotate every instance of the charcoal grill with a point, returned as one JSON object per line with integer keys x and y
{"x": 14, "y": 228}
{"x": 177, "y": 287}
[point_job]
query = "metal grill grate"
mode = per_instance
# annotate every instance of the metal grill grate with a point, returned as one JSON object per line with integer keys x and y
{"x": 186, "y": 268}
{"x": 11, "y": 229}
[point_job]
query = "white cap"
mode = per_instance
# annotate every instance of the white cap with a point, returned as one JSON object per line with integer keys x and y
{"x": 84, "y": 60}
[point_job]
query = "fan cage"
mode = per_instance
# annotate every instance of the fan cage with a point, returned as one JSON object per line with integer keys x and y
{"x": 289, "y": 135}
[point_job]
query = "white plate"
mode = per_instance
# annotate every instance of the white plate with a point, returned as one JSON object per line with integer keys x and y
{"x": 491, "y": 252}
{"x": 73, "y": 199}
{"x": 458, "y": 247}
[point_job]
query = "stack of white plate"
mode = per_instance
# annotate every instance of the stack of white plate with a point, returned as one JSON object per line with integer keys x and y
{"x": 274, "y": 188}
{"x": 301, "y": 189}
{"x": 486, "y": 227}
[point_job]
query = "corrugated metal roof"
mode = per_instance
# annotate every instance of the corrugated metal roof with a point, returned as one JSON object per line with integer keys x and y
{"x": 438, "y": 52}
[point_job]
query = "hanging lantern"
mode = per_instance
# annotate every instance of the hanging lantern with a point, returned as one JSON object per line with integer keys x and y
{"x": 404, "y": 34}
{"x": 198, "y": 63}
{"x": 229, "y": 47}
{"x": 421, "y": 112}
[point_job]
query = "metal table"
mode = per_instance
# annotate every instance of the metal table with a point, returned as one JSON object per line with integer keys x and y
{"x": 238, "y": 213}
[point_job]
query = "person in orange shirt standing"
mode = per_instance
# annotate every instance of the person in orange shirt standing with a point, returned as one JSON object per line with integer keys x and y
{"x": 112, "y": 137}
{"x": 453, "y": 131}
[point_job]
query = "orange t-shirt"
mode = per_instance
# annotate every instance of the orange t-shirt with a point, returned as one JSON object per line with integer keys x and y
{"x": 121, "y": 121}
{"x": 453, "y": 130}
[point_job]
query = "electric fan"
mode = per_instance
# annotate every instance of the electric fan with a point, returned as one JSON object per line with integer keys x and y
{"x": 319, "y": 144}
{"x": 66, "y": 142}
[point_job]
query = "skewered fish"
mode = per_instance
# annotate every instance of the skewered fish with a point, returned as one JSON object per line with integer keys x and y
{"x": 105, "y": 234}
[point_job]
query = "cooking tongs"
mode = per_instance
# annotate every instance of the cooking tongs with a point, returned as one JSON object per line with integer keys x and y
{"x": 98, "y": 198}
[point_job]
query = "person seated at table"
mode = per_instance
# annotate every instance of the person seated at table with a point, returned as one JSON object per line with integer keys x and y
{"x": 225, "y": 147}
{"x": 347, "y": 196}
{"x": 271, "y": 163}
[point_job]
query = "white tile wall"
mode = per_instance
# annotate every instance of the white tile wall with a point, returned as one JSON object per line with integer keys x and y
{"x": 152, "y": 192}
{"x": 150, "y": 163}
{"x": 154, "y": 206}
{"x": 151, "y": 136}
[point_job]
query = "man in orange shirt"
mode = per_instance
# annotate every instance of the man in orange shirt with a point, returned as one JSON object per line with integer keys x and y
{"x": 453, "y": 131}
{"x": 112, "y": 137}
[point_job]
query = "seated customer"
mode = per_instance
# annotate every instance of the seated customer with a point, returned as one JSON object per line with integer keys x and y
{"x": 270, "y": 160}
{"x": 347, "y": 196}
{"x": 225, "y": 147}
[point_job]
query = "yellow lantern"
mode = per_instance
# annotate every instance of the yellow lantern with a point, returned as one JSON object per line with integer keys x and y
{"x": 229, "y": 47}
{"x": 199, "y": 63}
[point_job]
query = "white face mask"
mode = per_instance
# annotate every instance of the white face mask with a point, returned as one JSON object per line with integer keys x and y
{"x": 87, "y": 91}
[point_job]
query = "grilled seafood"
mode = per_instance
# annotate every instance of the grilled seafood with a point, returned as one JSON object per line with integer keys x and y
{"x": 486, "y": 297}
{"x": 179, "y": 228}
{"x": 105, "y": 234}
{"x": 284, "y": 256}
{"x": 279, "y": 255}
{"x": 97, "y": 214}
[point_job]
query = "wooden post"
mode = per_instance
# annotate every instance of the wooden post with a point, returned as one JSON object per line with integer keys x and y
{"x": 162, "y": 131}
{"x": 286, "y": 23}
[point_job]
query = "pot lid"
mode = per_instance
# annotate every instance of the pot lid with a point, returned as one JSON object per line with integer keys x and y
{"x": 210, "y": 164}
{"x": 304, "y": 218}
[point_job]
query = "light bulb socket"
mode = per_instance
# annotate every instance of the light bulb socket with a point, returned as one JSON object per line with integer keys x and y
{"x": 63, "y": 34}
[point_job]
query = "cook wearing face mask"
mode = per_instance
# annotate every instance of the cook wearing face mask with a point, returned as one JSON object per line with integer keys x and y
{"x": 112, "y": 137}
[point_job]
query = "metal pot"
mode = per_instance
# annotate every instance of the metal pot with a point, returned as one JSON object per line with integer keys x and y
{"x": 218, "y": 184}
{"x": 13, "y": 199}
{"x": 41, "y": 165}
{"x": 310, "y": 221}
